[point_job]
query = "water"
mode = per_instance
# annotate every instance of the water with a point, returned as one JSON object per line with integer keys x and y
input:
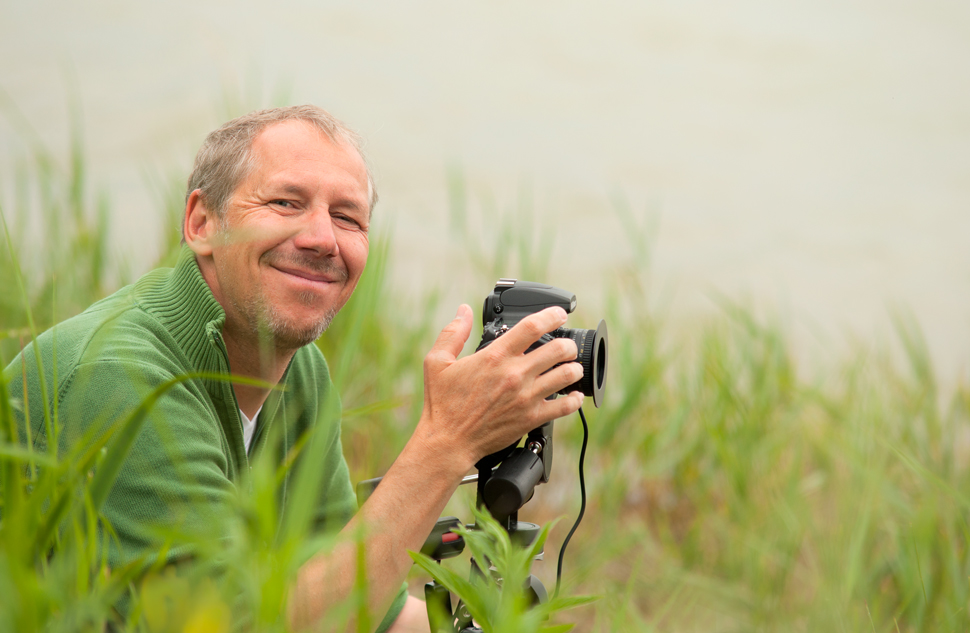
{"x": 813, "y": 157}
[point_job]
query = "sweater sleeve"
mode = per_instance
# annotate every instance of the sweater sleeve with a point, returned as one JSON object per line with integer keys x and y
{"x": 336, "y": 501}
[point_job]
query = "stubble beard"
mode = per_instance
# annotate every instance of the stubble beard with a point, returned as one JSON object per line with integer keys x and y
{"x": 269, "y": 323}
{"x": 285, "y": 334}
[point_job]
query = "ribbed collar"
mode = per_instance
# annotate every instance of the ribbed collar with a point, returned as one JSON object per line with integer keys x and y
{"x": 182, "y": 302}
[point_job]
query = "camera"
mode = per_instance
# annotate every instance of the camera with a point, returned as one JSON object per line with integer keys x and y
{"x": 513, "y": 300}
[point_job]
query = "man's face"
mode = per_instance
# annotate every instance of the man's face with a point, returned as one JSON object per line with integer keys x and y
{"x": 294, "y": 241}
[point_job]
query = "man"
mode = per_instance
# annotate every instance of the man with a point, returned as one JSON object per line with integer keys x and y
{"x": 276, "y": 237}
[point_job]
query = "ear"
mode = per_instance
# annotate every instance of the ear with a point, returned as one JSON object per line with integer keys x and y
{"x": 199, "y": 226}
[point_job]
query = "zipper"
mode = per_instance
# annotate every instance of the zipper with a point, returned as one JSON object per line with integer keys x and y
{"x": 234, "y": 410}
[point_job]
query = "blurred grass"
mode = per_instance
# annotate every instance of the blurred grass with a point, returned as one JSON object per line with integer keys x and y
{"x": 727, "y": 491}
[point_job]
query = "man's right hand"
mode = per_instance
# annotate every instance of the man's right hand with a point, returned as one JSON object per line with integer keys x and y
{"x": 482, "y": 403}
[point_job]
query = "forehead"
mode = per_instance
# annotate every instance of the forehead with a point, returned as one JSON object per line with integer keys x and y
{"x": 298, "y": 150}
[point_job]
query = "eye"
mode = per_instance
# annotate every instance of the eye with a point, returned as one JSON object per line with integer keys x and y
{"x": 346, "y": 219}
{"x": 282, "y": 203}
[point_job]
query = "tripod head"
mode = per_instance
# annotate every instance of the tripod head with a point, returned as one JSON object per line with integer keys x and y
{"x": 507, "y": 479}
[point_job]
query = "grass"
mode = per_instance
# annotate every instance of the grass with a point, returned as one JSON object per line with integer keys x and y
{"x": 727, "y": 491}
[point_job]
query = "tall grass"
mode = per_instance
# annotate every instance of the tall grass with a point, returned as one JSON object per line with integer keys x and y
{"x": 727, "y": 491}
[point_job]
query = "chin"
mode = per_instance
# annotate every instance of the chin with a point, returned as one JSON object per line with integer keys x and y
{"x": 292, "y": 335}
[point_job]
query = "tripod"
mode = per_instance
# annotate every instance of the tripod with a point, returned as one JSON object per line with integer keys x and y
{"x": 506, "y": 481}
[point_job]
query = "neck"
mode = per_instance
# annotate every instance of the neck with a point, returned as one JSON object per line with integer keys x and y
{"x": 249, "y": 355}
{"x": 256, "y": 359}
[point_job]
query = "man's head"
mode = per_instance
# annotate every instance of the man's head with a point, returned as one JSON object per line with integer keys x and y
{"x": 277, "y": 214}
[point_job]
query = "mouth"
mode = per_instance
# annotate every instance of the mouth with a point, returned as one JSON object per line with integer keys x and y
{"x": 307, "y": 276}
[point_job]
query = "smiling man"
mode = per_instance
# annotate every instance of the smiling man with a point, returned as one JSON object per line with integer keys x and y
{"x": 276, "y": 235}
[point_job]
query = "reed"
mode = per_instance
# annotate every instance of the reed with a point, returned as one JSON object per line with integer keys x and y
{"x": 727, "y": 490}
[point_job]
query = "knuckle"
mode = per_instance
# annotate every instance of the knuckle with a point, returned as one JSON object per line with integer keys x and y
{"x": 512, "y": 381}
{"x": 492, "y": 356}
{"x": 578, "y": 369}
{"x": 568, "y": 348}
{"x": 433, "y": 359}
{"x": 573, "y": 371}
{"x": 565, "y": 375}
{"x": 448, "y": 331}
{"x": 532, "y": 325}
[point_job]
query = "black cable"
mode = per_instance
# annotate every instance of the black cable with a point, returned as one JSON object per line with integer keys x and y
{"x": 582, "y": 507}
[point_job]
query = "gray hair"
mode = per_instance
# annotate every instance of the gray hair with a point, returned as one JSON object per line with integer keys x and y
{"x": 225, "y": 158}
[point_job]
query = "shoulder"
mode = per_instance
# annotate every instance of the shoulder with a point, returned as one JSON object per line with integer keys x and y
{"x": 115, "y": 328}
{"x": 111, "y": 329}
{"x": 116, "y": 336}
{"x": 107, "y": 357}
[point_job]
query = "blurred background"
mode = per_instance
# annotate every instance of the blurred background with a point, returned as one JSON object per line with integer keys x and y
{"x": 813, "y": 158}
{"x": 770, "y": 204}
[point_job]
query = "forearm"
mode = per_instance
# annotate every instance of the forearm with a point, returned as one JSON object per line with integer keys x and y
{"x": 398, "y": 517}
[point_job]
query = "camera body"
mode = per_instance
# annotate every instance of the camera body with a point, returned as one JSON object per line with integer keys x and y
{"x": 512, "y": 300}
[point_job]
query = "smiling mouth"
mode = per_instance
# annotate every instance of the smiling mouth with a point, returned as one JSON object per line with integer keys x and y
{"x": 309, "y": 270}
{"x": 307, "y": 275}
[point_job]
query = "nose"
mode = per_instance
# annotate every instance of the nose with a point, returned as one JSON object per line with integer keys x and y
{"x": 317, "y": 234}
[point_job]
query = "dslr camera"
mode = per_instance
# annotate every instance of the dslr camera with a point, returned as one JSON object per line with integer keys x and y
{"x": 513, "y": 300}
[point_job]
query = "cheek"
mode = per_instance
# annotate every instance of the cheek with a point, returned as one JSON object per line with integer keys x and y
{"x": 249, "y": 240}
{"x": 355, "y": 255}
{"x": 240, "y": 266}
{"x": 262, "y": 228}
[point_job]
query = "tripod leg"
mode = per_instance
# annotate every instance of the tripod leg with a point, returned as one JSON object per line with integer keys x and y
{"x": 536, "y": 591}
{"x": 438, "y": 600}
{"x": 463, "y": 618}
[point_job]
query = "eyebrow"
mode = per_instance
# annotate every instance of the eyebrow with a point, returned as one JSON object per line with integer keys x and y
{"x": 296, "y": 190}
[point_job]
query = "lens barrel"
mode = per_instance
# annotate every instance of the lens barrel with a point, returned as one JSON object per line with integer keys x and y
{"x": 592, "y": 355}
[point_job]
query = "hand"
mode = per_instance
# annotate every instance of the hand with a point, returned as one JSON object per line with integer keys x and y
{"x": 484, "y": 402}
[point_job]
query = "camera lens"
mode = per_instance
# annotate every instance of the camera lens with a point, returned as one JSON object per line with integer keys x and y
{"x": 592, "y": 355}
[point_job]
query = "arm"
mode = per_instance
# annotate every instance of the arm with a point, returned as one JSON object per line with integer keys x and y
{"x": 413, "y": 618}
{"x": 472, "y": 407}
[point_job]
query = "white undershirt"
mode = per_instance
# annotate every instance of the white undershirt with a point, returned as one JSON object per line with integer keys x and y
{"x": 249, "y": 427}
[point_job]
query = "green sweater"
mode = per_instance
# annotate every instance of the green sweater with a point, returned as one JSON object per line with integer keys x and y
{"x": 190, "y": 453}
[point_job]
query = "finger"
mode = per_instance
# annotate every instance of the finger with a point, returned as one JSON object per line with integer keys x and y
{"x": 558, "y": 378}
{"x": 560, "y": 350}
{"x": 561, "y": 407}
{"x": 453, "y": 337}
{"x": 528, "y": 330}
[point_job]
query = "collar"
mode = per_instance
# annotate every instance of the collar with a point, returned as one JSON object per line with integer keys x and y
{"x": 183, "y": 303}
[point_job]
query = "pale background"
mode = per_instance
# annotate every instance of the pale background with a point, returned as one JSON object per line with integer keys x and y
{"x": 811, "y": 158}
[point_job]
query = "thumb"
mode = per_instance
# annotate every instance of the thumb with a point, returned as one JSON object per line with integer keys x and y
{"x": 453, "y": 337}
